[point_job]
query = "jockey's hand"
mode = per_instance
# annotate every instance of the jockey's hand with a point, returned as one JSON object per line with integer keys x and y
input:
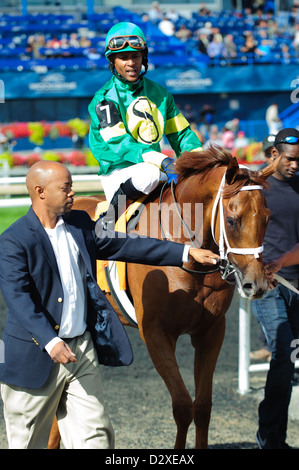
{"x": 203, "y": 256}
{"x": 62, "y": 353}
{"x": 168, "y": 167}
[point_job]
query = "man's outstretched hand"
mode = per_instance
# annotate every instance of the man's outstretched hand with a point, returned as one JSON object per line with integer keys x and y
{"x": 203, "y": 256}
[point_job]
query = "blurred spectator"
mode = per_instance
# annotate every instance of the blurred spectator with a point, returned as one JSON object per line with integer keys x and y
{"x": 77, "y": 140}
{"x": 145, "y": 18}
{"x": 272, "y": 29}
{"x": 230, "y": 45}
{"x": 285, "y": 53}
{"x": 206, "y": 114}
{"x": 206, "y": 29}
{"x": 265, "y": 43}
{"x": 294, "y": 14}
{"x": 74, "y": 41}
{"x": 203, "y": 43}
{"x": 6, "y": 143}
{"x": 195, "y": 129}
{"x": 166, "y": 26}
{"x": 216, "y": 48}
{"x": 93, "y": 54}
{"x": 34, "y": 44}
{"x": 241, "y": 140}
{"x": 267, "y": 148}
{"x": 3, "y": 142}
{"x": 272, "y": 119}
{"x": 155, "y": 14}
{"x": 189, "y": 113}
{"x": 64, "y": 44}
{"x": 250, "y": 46}
{"x": 228, "y": 139}
{"x": 233, "y": 125}
{"x": 261, "y": 30}
{"x": 296, "y": 38}
{"x": 172, "y": 15}
{"x": 259, "y": 13}
{"x": 183, "y": 33}
{"x": 203, "y": 10}
{"x": 53, "y": 43}
{"x": 214, "y": 138}
{"x": 84, "y": 42}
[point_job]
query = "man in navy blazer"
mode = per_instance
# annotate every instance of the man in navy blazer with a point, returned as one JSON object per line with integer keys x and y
{"x": 60, "y": 325}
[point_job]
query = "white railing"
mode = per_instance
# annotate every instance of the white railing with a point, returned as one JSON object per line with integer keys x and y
{"x": 16, "y": 185}
{"x": 22, "y": 179}
{"x": 15, "y": 202}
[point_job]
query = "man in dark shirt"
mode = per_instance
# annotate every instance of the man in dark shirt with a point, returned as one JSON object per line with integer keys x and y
{"x": 277, "y": 311}
{"x": 264, "y": 352}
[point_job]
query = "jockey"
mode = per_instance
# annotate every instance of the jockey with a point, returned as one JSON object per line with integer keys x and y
{"x": 129, "y": 116}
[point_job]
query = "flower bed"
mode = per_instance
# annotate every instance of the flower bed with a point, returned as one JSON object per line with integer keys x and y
{"x": 73, "y": 157}
{"x": 37, "y": 131}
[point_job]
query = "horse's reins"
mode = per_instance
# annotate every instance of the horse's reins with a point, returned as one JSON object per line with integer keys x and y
{"x": 225, "y": 266}
{"x": 188, "y": 230}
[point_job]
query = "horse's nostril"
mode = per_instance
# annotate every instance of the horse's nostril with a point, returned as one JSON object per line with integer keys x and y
{"x": 247, "y": 286}
{"x": 248, "y": 289}
{"x": 252, "y": 291}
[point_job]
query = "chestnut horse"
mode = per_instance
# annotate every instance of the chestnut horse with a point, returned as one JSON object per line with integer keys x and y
{"x": 170, "y": 301}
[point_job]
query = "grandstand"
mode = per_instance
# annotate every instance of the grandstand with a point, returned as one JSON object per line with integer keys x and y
{"x": 52, "y": 58}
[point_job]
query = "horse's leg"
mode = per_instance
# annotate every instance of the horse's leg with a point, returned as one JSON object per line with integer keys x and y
{"x": 207, "y": 347}
{"x": 54, "y": 438}
{"x": 161, "y": 347}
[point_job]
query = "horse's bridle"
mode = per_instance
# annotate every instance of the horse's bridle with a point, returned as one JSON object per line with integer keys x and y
{"x": 225, "y": 267}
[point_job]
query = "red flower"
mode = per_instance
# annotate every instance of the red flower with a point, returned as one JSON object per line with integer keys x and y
{"x": 77, "y": 158}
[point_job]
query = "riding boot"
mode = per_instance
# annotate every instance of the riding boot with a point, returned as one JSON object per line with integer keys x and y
{"x": 118, "y": 204}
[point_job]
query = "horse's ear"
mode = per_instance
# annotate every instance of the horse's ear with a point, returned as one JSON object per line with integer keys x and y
{"x": 270, "y": 169}
{"x": 232, "y": 171}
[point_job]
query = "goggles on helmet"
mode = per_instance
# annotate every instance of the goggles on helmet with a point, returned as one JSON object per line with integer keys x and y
{"x": 119, "y": 42}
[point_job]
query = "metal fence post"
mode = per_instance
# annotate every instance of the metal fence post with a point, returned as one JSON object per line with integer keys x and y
{"x": 244, "y": 346}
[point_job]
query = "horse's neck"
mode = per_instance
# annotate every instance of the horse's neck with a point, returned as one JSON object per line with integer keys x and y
{"x": 200, "y": 191}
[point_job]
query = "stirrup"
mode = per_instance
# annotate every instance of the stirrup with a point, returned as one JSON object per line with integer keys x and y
{"x": 107, "y": 221}
{"x": 104, "y": 224}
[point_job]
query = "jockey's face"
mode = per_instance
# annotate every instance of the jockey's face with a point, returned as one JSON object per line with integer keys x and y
{"x": 128, "y": 64}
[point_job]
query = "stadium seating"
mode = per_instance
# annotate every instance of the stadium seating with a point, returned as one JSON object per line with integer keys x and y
{"x": 16, "y": 53}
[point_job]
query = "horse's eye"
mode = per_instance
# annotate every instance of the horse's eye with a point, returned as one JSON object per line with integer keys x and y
{"x": 231, "y": 222}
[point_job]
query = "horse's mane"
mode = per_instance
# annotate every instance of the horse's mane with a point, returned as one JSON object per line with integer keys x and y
{"x": 203, "y": 162}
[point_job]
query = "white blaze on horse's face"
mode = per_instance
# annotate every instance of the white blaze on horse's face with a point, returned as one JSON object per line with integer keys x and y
{"x": 246, "y": 218}
{"x": 235, "y": 227}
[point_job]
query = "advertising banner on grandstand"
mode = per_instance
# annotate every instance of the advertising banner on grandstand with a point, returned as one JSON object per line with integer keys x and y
{"x": 53, "y": 84}
{"x": 178, "y": 80}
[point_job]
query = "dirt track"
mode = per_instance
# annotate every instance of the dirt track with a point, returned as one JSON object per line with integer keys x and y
{"x": 140, "y": 407}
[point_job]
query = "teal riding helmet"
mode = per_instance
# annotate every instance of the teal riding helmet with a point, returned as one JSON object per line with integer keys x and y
{"x": 124, "y": 37}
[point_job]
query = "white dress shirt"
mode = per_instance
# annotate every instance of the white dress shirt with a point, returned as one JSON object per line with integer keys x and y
{"x": 73, "y": 275}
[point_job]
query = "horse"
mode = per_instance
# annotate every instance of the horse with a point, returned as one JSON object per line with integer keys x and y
{"x": 172, "y": 301}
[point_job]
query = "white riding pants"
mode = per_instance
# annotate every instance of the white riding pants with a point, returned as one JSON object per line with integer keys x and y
{"x": 145, "y": 178}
